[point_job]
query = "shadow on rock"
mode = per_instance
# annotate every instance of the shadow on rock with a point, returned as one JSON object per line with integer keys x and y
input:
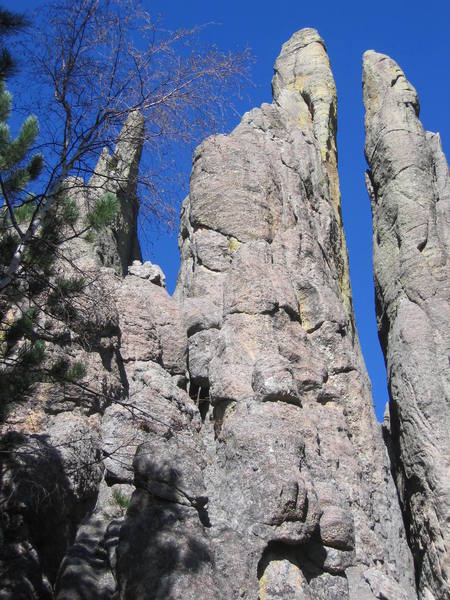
{"x": 164, "y": 550}
{"x": 39, "y": 514}
{"x": 86, "y": 569}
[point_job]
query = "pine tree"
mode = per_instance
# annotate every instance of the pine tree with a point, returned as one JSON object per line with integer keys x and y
{"x": 10, "y": 23}
{"x": 36, "y": 289}
{"x": 17, "y": 169}
{"x": 16, "y": 172}
{"x": 35, "y": 227}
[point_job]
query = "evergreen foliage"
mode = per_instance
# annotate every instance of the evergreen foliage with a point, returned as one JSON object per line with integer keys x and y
{"x": 36, "y": 292}
{"x": 104, "y": 212}
{"x": 120, "y": 500}
{"x": 15, "y": 172}
{"x": 10, "y": 23}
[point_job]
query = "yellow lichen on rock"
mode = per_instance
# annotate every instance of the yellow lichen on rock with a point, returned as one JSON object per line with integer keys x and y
{"x": 262, "y": 589}
{"x": 233, "y": 245}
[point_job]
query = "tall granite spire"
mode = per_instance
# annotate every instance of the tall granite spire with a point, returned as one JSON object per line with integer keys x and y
{"x": 409, "y": 187}
{"x": 118, "y": 245}
{"x": 298, "y": 500}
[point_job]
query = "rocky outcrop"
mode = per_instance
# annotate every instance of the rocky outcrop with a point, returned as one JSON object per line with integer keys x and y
{"x": 409, "y": 187}
{"x": 221, "y": 443}
{"x": 67, "y": 450}
{"x": 301, "y": 503}
{"x": 117, "y": 246}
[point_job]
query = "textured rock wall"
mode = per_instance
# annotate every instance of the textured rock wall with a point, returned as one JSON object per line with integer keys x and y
{"x": 301, "y": 503}
{"x": 66, "y": 451}
{"x": 223, "y": 443}
{"x": 408, "y": 183}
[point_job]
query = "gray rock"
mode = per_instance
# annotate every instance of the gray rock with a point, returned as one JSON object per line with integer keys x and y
{"x": 53, "y": 462}
{"x": 164, "y": 552}
{"x": 152, "y": 325}
{"x": 118, "y": 245}
{"x": 88, "y": 568}
{"x": 371, "y": 583}
{"x": 382, "y": 587}
{"x": 148, "y": 271}
{"x": 202, "y": 348}
{"x": 272, "y": 379}
{"x": 155, "y": 410}
{"x": 212, "y": 249}
{"x": 296, "y": 473}
{"x": 78, "y": 443}
{"x": 41, "y": 508}
{"x": 408, "y": 184}
{"x": 336, "y": 528}
{"x": 223, "y": 443}
{"x": 201, "y": 313}
{"x": 283, "y": 580}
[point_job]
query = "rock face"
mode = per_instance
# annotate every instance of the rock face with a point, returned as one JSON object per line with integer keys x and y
{"x": 301, "y": 503}
{"x": 66, "y": 451}
{"x": 222, "y": 443}
{"x": 118, "y": 246}
{"x": 408, "y": 183}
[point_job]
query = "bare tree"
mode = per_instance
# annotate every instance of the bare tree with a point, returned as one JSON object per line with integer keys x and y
{"x": 94, "y": 62}
{"x": 90, "y": 66}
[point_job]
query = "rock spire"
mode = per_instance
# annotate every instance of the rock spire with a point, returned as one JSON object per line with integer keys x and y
{"x": 301, "y": 502}
{"x": 409, "y": 186}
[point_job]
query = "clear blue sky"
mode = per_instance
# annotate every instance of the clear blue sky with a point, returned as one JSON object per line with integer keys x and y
{"x": 416, "y": 34}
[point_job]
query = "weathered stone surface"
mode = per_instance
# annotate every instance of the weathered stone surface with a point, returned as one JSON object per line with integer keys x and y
{"x": 148, "y": 271}
{"x": 272, "y": 379}
{"x": 221, "y": 444}
{"x": 201, "y": 313}
{"x": 296, "y": 473}
{"x": 44, "y": 493}
{"x": 52, "y": 457}
{"x": 118, "y": 245}
{"x": 202, "y": 348}
{"x": 371, "y": 583}
{"x": 409, "y": 187}
{"x": 88, "y": 568}
{"x": 336, "y": 528}
{"x": 164, "y": 552}
{"x": 152, "y": 325}
{"x": 152, "y": 415}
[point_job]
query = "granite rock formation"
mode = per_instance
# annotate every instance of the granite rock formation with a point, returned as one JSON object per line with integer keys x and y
{"x": 222, "y": 443}
{"x": 67, "y": 450}
{"x": 409, "y": 186}
{"x": 301, "y": 503}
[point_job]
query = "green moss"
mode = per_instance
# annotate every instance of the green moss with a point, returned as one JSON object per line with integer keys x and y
{"x": 120, "y": 500}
